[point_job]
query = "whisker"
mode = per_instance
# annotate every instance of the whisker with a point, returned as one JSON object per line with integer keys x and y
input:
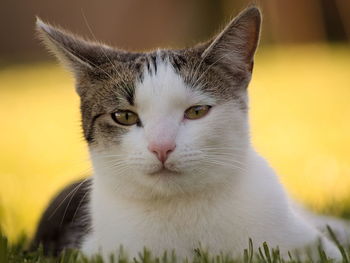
{"x": 224, "y": 164}
{"x": 73, "y": 190}
{"x": 79, "y": 205}
{"x": 209, "y": 67}
{"x": 70, "y": 200}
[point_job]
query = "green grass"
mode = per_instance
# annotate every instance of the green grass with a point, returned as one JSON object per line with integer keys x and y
{"x": 17, "y": 253}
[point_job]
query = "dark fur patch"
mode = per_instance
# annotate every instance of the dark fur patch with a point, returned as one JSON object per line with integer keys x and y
{"x": 66, "y": 220}
{"x": 154, "y": 60}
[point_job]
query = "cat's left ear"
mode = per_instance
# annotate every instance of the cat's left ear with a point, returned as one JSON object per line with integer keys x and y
{"x": 235, "y": 46}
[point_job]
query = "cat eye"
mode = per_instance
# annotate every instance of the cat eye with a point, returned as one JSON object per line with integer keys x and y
{"x": 197, "y": 112}
{"x": 125, "y": 117}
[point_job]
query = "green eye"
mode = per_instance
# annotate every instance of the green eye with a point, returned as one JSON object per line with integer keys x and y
{"x": 197, "y": 112}
{"x": 125, "y": 117}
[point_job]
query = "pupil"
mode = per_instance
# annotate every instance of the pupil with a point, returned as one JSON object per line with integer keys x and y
{"x": 127, "y": 116}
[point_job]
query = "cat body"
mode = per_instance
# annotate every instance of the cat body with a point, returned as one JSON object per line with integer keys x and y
{"x": 168, "y": 136}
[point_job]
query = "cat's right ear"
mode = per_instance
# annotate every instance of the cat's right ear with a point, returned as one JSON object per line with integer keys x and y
{"x": 75, "y": 53}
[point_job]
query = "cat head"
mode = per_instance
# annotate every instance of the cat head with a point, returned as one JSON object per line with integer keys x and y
{"x": 165, "y": 122}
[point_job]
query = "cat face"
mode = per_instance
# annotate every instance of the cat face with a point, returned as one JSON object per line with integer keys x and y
{"x": 195, "y": 146}
{"x": 167, "y": 122}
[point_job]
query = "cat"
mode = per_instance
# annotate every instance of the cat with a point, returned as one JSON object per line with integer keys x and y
{"x": 173, "y": 165}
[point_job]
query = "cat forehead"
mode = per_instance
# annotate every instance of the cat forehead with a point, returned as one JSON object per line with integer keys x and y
{"x": 174, "y": 75}
{"x": 162, "y": 85}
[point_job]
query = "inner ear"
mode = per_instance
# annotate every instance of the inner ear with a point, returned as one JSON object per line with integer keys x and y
{"x": 237, "y": 43}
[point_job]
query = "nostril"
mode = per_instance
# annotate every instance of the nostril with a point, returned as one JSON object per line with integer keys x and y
{"x": 170, "y": 150}
{"x": 155, "y": 153}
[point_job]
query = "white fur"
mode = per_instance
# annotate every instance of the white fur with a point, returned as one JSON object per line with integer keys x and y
{"x": 226, "y": 193}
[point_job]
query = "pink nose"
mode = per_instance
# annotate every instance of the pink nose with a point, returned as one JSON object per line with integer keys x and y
{"x": 162, "y": 151}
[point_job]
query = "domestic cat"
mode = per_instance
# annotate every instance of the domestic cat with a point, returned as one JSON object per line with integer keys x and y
{"x": 174, "y": 168}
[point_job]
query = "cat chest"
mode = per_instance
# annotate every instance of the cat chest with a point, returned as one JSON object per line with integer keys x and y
{"x": 165, "y": 229}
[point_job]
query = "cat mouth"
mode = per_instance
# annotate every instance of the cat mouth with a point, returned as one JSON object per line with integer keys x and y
{"x": 163, "y": 171}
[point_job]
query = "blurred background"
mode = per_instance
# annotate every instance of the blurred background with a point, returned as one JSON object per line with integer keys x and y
{"x": 300, "y": 93}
